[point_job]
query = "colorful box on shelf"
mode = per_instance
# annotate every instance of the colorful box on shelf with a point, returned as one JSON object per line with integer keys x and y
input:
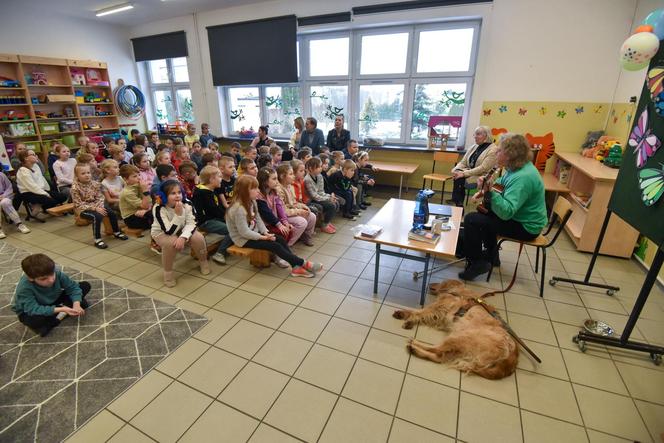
{"x": 69, "y": 126}
{"x": 34, "y": 146}
{"x": 49, "y": 128}
{"x": 21, "y": 129}
{"x": 87, "y": 110}
{"x": 59, "y": 98}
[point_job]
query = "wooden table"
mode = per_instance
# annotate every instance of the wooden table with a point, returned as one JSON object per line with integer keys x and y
{"x": 396, "y": 219}
{"x": 399, "y": 168}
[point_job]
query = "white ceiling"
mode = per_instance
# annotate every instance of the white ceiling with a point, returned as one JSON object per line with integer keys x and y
{"x": 144, "y": 11}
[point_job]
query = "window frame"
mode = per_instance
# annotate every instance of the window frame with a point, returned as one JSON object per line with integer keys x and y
{"x": 410, "y": 78}
{"x": 172, "y": 86}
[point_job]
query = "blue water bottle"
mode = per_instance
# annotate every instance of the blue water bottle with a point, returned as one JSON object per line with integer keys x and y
{"x": 421, "y": 213}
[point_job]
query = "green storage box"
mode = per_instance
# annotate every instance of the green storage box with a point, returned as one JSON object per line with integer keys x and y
{"x": 49, "y": 143}
{"x": 49, "y": 128}
{"x": 69, "y": 140}
{"x": 35, "y": 146}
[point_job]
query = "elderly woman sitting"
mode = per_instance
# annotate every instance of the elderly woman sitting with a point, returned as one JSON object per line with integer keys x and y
{"x": 518, "y": 211}
{"x": 479, "y": 159}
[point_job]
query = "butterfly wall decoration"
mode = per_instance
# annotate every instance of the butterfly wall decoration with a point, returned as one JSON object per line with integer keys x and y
{"x": 522, "y": 111}
{"x": 487, "y": 111}
{"x": 502, "y": 109}
{"x": 542, "y": 110}
{"x": 651, "y": 183}
{"x": 579, "y": 110}
{"x": 644, "y": 142}
{"x": 561, "y": 114}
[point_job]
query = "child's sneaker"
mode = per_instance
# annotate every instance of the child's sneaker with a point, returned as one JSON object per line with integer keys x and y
{"x": 280, "y": 262}
{"x": 154, "y": 247}
{"x": 299, "y": 271}
{"x": 2, "y": 234}
{"x": 328, "y": 229}
{"x": 312, "y": 267}
{"x": 24, "y": 229}
{"x": 218, "y": 257}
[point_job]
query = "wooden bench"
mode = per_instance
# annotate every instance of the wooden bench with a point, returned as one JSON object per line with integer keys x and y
{"x": 257, "y": 257}
{"x": 108, "y": 230}
{"x": 57, "y": 211}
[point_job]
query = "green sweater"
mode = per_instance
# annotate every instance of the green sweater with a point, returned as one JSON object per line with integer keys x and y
{"x": 522, "y": 199}
{"x": 32, "y": 299}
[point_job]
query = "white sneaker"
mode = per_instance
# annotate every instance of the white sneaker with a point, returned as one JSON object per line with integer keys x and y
{"x": 280, "y": 262}
{"x": 2, "y": 234}
{"x": 24, "y": 229}
{"x": 218, "y": 257}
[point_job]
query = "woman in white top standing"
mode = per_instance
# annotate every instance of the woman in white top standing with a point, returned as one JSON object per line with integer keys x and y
{"x": 32, "y": 184}
{"x": 477, "y": 161}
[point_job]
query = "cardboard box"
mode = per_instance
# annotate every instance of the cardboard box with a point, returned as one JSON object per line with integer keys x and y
{"x": 59, "y": 98}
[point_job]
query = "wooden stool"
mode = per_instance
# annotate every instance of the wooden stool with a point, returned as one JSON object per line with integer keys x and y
{"x": 257, "y": 257}
{"x": 57, "y": 211}
{"x": 80, "y": 221}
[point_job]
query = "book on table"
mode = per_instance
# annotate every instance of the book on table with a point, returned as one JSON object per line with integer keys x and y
{"x": 423, "y": 236}
{"x": 370, "y": 231}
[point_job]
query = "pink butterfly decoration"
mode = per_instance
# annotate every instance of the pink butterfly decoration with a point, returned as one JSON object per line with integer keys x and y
{"x": 644, "y": 142}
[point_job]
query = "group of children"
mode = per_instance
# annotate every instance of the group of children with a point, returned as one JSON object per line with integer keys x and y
{"x": 178, "y": 191}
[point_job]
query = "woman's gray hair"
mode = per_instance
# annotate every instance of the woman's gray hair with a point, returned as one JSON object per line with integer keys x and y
{"x": 486, "y": 130}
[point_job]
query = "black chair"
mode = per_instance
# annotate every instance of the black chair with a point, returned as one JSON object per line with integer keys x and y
{"x": 562, "y": 211}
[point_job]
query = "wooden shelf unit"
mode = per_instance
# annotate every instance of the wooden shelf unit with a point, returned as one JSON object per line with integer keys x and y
{"x": 58, "y": 72}
{"x": 590, "y": 177}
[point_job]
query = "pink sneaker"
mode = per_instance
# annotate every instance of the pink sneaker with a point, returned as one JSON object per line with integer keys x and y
{"x": 329, "y": 229}
{"x": 300, "y": 271}
{"x": 312, "y": 267}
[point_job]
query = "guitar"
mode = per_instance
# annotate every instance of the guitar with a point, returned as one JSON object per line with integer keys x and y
{"x": 485, "y": 193}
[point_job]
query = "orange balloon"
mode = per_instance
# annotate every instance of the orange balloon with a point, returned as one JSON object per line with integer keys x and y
{"x": 643, "y": 28}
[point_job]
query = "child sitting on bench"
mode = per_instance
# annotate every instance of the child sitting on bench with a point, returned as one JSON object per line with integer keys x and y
{"x": 174, "y": 226}
{"x": 135, "y": 202}
{"x": 44, "y": 295}
{"x": 89, "y": 204}
{"x": 9, "y": 206}
{"x": 248, "y": 230}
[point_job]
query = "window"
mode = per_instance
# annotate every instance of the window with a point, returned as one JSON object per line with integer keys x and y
{"x": 170, "y": 91}
{"x": 386, "y": 82}
{"x": 245, "y": 108}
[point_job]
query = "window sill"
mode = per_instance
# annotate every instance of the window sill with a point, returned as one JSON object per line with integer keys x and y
{"x": 283, "y": 142}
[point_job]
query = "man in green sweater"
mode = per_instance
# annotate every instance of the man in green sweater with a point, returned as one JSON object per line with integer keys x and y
{"x": 518, "y": 211}
{"x": 44, "y": 295}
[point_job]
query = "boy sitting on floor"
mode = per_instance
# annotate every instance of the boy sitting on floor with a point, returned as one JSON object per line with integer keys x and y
{"x": 45, "y": 295}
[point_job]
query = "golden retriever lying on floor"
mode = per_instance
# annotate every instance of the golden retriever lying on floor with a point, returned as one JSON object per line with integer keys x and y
{"x": 477, "y": 342}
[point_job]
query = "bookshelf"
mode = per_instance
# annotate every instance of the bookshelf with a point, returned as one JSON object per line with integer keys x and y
{"x": 46, "y": 95}
{"x": 590, "y": 178}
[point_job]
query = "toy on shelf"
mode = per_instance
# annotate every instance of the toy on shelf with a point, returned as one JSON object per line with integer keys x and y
{"x": 95, "y": 97}
{"x": 600, "y": 150}
{"x": 40, "y": 114}
{"x": 99, "y": 111}
{"x": 93, "y": 78}
{"x": 13, "y": 115}
{"x": 91, "y": 126}
{"x": 77, "y": 76}
{"x": 614, "y": 159}
{"x": 12, "y": 100}
{"x": 177, "y": 128}
{"x": 79, "y": 96}
{"x": 55, "y": 115}
{"x": 69, "y": 112}
{"x": 69, "y": 126}
{"x": 39, "y": 78}
{"x": 9, "y": 83}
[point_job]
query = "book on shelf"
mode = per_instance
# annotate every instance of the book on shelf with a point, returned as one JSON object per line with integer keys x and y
{"x": 370, "y": 231}
{"x": 423, "y": 236}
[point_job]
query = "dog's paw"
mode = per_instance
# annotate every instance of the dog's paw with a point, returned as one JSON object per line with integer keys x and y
{"x": 408, "y": 325}
{"x": 399, "y": 314}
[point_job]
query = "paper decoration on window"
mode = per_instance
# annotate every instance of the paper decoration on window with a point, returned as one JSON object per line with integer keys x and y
{"x": 315, "y": 95}
{"x": 503, "y": 108}
{"x": 651, "y": 183}
{"x": 331, "y": 112}
{"x": 486, "y": 111}
{"x": 237, "y": 115}
{"x": 452, "y": 98}
{"x": 274, "y": 101}
{"x": 644, "y": 142}
{"x": 579, "y": 110}
{"x": 543, "y": 110}
{"x": 522, "y": 111}
{"x": 561, "y": 114}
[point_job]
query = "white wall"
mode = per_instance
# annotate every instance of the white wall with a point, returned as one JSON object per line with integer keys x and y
{"x": 27, "y": 30}
{"x": 563, "y": 50}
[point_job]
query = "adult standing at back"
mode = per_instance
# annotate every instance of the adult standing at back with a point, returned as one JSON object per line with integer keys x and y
{"x": 294, "y": 142}
{"x": 312, "y": 136}
{"x": 338, "y": 137}
{"x": 262, "y": 139}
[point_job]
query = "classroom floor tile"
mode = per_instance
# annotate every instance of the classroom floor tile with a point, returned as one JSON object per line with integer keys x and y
{"x": 283, "y": 359}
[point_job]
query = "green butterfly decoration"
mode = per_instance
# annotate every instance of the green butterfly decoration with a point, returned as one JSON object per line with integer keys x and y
{"x": 651, "y": 182}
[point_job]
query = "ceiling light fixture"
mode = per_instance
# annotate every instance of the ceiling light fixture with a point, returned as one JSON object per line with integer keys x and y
{"x": 114, "y": 9}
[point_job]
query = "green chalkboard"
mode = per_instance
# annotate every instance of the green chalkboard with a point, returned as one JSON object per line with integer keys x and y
{"x": 642, "y": 166}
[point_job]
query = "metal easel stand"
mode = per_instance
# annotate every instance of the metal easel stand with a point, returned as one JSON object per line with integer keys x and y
{"x": 435, "y": 269}
{"x": 610, "y": 290}
{"x": 624, "y": 342}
